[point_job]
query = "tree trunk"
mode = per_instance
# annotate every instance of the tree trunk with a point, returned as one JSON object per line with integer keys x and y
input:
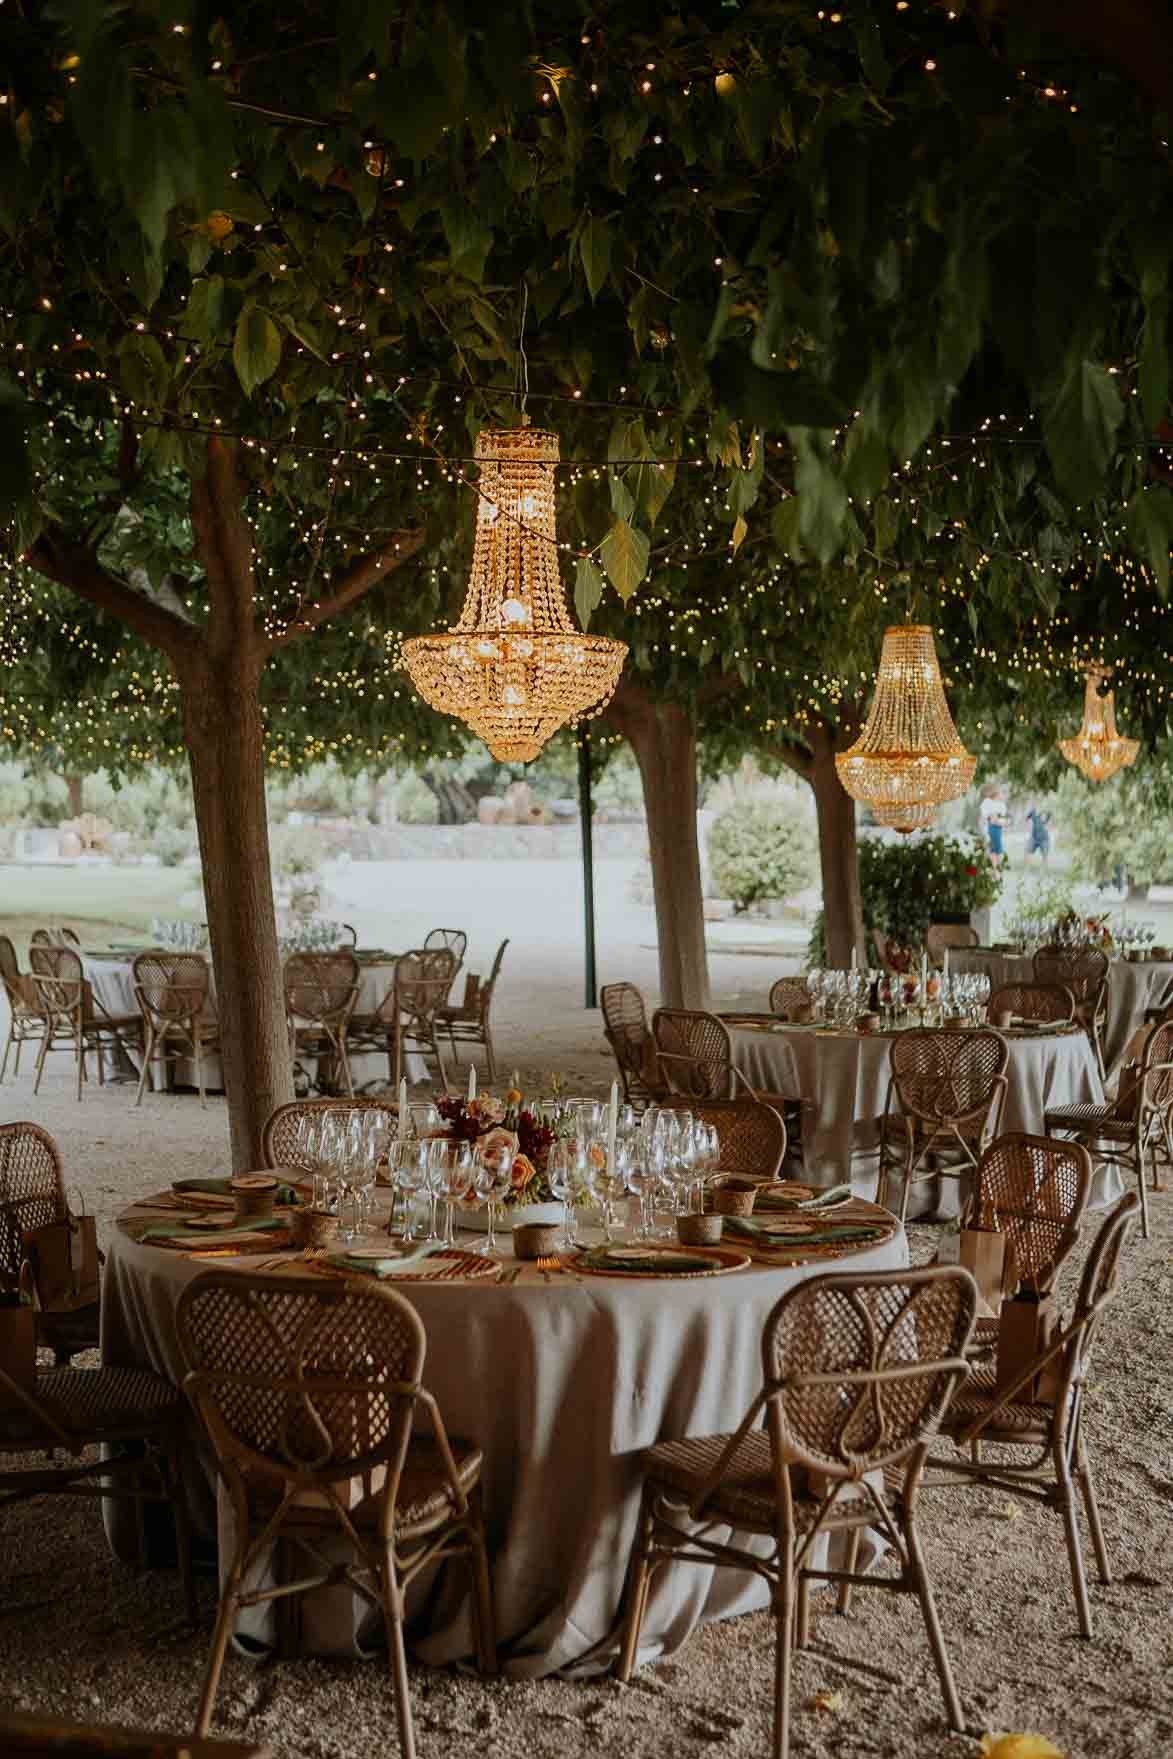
{"x": 663, "y": 737}
{"x": 838, "y": 854}
{"x": 222, "y": 720}
{"x": 73, "y": 789}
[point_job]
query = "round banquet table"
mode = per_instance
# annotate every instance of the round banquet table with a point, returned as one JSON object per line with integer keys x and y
{"x": 561, "y": 1380}
{"x": 841, "y": 1077}
{"x": 111, "y": 977}
{"x": 1133, "y": 986}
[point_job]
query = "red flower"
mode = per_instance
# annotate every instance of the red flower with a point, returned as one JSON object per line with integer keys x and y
{"x": 972, "y": 872}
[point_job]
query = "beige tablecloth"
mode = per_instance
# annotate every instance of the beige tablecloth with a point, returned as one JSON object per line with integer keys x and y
{"x": 842, "y": 1079}
{"x": 1131, "y": 989}
{"x": 561, "y": 1383}
{"x": 112, "y": 978}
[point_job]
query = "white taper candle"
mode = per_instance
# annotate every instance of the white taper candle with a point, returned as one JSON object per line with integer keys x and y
{"x": 612, "y": 1126}
{"x": 472, "y": 1081}
{"x": 403, "y": 1110}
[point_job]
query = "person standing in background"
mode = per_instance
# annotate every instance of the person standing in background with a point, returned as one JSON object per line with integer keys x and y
{"x": 1040, "y": 836}
{"x": 993, "y": 811}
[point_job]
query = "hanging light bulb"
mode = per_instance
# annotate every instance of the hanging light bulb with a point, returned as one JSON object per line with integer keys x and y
{"x": 1098, "y": 750}
{"x": 908, "y": 760}
{"x": 515, "y": 667}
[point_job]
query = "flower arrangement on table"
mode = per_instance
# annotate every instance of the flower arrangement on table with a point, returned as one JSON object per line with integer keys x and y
{"x": 1073, "y": 930}
{"x": 530, "y": 1131}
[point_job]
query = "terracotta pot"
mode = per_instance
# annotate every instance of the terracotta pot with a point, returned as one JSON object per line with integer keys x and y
{"x": 535, "y": 1240}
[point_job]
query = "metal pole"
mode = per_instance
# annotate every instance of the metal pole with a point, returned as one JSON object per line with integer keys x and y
{"x": 590, "y": 982}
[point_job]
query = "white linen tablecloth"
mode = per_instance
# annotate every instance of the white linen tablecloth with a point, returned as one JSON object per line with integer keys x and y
{"x": 111, "y": 976}
{"x": 842, "y": 1080}
{"x": 561, "y": 1383}
{"x": 1132, "y": 987}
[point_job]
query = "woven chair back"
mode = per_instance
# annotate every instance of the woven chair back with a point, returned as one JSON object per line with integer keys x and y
{"x": 1034, "y": 1190}
{"x": 752, "y": 1135}
{"x": 695, "y": 1052}
{"x": 625, "y": 1023}
{"x": 309, "y": 1379}
{"x": 1158, "y": 1058}
{"x": 447, "y": 940}
{"x": 59, "y": 977}
{"x": 1084, "y": 973}
{"x": 40, "y": 937}
{"x": 940, "y": 935}
{"x": 1033, "y": 1001}
{"x": 319, "y": 987}
{"x": 1098, "y": 1284}
{"x": 279, "y": 1140}
{"x": 172, "y": 988}
{"x": 32, "y": 1192}
{"x": 859, "y": 1367}
{"x": 943, "y": 1075}
{"x": 788, "y": 997}
{"x": 423, "y": 978}
{"x": 10, "y": 976}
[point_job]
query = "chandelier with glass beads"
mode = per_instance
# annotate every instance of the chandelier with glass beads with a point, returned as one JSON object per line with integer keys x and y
{"x": 515, "y": 667}
{"x": 1098, "y": 750}
{"x": 908, "y": 760}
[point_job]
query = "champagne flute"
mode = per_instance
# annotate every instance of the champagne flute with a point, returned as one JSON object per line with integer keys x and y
{"x": 559, "y": 1177}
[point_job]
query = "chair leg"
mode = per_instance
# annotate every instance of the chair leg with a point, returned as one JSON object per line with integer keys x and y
{"x": 482, "y": 1592}
{"x": 199, "y": 1063}
{"x": 80, "y": 1053}
{"x": 174, "y": 1487}
{"x": 490, "y": 1059}
{"x": 1092, "y": 1505}
{"x": 1144, "y": 1195}
{"x": 784, "y": 1597}
{"x": 802, "y": 1621}
{"x": 397, "y": 1657}
{"x": 7, "y": 1048}
{"x": 1070, "y": 1515}
{"x": 16, "y": 1060}
{"x": 638, "y": 1580}
{"x": 225, "y": 1619}
{"x": 851, "y": 1563}
{"x": 148, "y": 1053}
{"x": 928, "y": 1605}
{"x": 41, "y": 1055}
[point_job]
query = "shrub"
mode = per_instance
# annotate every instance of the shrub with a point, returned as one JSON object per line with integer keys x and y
{"x": 173, "y": 845}
{"x": 298, "y": 852}
{"x": 415, "y": 802}
{"x": 760, "y": 849}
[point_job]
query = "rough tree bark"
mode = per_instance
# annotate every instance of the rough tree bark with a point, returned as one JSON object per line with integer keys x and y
{"x": 219, "y": 665}
{"x": 74, "y": 786}
{"x": 838, "y": 848}
{"x": 663, "y": 737}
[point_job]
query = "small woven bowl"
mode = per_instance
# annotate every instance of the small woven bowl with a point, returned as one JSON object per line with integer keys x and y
{"x": 1160, "y": 953}
{"x": 699, "y": 1230}
{"x": 956, "y": 1020}
{"x": 255, "y": 1195}
{"x": 733, "y": 1197}
{"x": 312, "y": 1227}
{"x": 868, "y": 1023}
{"x": 535, "y": 1240}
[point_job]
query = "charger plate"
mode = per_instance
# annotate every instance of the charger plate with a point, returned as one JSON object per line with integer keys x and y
{"x": 235, "y": 1243}
{"x": 723, "y": 1258}
{"x": 441, "y": 1267}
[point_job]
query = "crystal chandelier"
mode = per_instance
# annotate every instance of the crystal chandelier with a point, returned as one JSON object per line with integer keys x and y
{"x": 515, "y": 667}
{"x": 1098, "y": 750}
{"x": 908, "y": 760}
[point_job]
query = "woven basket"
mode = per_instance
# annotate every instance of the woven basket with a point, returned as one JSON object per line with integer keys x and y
{"x": 255, "y": 1195}
{"x": 699, "y": 1230}
{"x": 733, "y": 1197}
{"x": 313, "y": 1227}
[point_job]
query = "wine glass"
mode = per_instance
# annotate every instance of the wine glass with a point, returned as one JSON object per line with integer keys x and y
{"x": 435, "y": 1187}
{"x": 887, "y": 997}
{"x": 559, "y": 1177}
{"x": 457, "y": 1178}
{"x": 412, "y": 1170}
{"x": 493, "y": 1178}
{"x": 643, "y": 1179}
{"x": 604, "y": 1183}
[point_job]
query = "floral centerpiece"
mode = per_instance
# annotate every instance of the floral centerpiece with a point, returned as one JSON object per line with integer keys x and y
{"x": 530, "y": 1131}
{"x": 1073, "y": 930}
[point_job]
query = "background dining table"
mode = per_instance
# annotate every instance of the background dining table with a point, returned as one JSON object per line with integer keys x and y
{"x": 1134, "y": 985}
{"x": 561, "y": 1379}
{"x": 841, "y": 1077}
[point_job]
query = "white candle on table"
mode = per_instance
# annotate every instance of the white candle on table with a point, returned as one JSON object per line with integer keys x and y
{"x": 855, "y": 958}
{"x": 472, "y": 1081}
{"x": 403, "y": 1110}
{"x": 945, "y": 961}
{"x": 924, "y": 972}
{"x": 612, "y": 1126}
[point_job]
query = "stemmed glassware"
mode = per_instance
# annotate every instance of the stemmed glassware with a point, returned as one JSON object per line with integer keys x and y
{"x": 492, "y": 1180}
{"x": 411, "y": 1164}
{"x": 560, "y": 1178}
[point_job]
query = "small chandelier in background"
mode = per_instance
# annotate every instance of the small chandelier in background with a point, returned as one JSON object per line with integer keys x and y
{"x": 908, "y": 760}
{"x": 515, "y": 667}
{"x": 1098, "y": 750}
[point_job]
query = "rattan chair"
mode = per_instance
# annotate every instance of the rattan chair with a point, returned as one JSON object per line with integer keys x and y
{"x": 1037, "y": 1002}
{"x": 790, "y": 998}
{"x": 944, "y": 1102}
{"x": 1085, "y": 974}
{"x": 53, "y": 937}
{"x": 320, "y": 992}
{"x": 626, "y": 1029}
{"x": 26, "y": 1023}
{"x": 1137, "y": 1127}
{"x": 32, "y": 1195}
{"x": 857, "y": 1371}
{"x": 172, "y": 992}
{"x": 695, "y": 1053}
{"x": 448, "y": 940}
{"x": 279, "y": 1140}
{"x": 951, "y": 935}
{"x": 72, "y": 1017}
{"x": 1049, "y": 1448}
{"x": 468, "y": 1022}
{"x": 752, "y": 1135}
{"x": 308, "y": 1390}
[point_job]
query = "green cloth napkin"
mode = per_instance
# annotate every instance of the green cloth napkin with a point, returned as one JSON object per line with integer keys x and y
{"x": 288, "y": 1195}
{"x": 769, "y": 1201}
{"x": 161, "y": 1231}
{"x": 600, "y": 1259}
{"x": 381, "y": 1267}
{"x": 828, "y": 1236}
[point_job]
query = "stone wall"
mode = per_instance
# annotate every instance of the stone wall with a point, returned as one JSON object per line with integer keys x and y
{"x": 476, "y": 842}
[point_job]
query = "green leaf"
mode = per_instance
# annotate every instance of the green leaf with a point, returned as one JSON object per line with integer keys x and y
{"x": 885, "y": 524}
{"x": 204, "y": 313}
{"x": 822, "y": 501}
{"x": 653, "y": 486}
{"x": 588, "y": 590}
{"x": 622, "y": 499}
{"x": 143, "y": 369}
{"x": 1149, "y": 518}
{"x": 773, "y": 399}
{"x": 865, "y": 462}
{"x": 1080, "y": 429}
{"x": 469, "y": 239}
{"x": 743, "y": 491}
{"x": 784, "y": 527}
{"x": 1153, "y": 374}
{"x": 256, "y": 348}
{"x": 594, "y": 247}
{"x": 625, "y": 551}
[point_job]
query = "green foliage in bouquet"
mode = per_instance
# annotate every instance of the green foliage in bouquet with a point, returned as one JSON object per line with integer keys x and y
{"x": 909, "y": 884}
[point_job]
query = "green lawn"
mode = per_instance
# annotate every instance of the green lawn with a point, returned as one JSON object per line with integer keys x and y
{"x": 99, "y": 903}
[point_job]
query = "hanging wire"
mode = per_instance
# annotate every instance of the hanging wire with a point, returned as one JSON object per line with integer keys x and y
{"x": 522, "y": 356}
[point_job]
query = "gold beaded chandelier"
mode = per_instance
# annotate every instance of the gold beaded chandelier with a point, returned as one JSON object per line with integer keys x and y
{"x": 515, "y": 667}
{"x": 1098, "y": 750}
{"x": 908, "y": 760}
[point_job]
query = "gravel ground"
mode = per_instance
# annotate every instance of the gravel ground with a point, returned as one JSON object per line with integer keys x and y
{"x": 83, "y": 1637}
